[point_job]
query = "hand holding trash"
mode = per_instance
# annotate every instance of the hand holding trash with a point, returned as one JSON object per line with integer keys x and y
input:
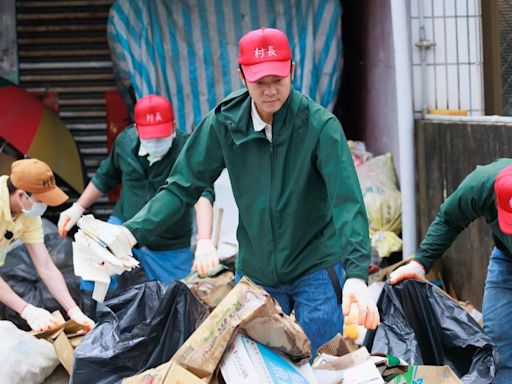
{"x": 412, "y": 270}
{"x": 78, "y": 316}
{"x": 101, "y": 250}
{"x": 357, "y": 304}
{"x": 39, "y": 319}
{"x": 205, "y": 258}
{"x": 69, "y": 218}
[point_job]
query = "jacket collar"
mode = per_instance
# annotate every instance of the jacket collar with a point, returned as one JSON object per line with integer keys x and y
{"x": 235, "y": 113}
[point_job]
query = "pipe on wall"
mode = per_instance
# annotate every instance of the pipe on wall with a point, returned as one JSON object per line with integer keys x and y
{"x": 405, "y": 121}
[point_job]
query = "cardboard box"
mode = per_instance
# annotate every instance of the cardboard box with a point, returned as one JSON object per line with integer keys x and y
{"x": 250, "y": 309}
{"x": 249, "y": 362}
{"x": 65, "y": 338}
{"x": 427, "y": 374}
{"x": 168, "y": 373}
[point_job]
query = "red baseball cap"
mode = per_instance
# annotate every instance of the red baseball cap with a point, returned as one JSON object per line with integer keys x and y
{"x": 154, "y": 117}
{"x": 264, "y": 52}
{"x": 503, "y": 191}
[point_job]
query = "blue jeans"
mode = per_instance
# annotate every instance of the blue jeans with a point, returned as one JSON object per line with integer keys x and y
{"x": 164, "y": 266}
{"x": 316, "y": 306}
{"x": 497, "y": 311}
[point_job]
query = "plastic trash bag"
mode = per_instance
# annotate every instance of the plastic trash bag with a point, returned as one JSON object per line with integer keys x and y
{"x": 21, "y": 275}
{"x": 137, "y": 330}
{"x": 423, "y": 326}
{"x": 25, "y": 359}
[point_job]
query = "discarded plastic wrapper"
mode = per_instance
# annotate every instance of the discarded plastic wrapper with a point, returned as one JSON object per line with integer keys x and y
{"x": 98, "y": 254}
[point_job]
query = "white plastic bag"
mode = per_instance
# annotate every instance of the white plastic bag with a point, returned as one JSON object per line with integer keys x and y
{"x": 24, "y": 358}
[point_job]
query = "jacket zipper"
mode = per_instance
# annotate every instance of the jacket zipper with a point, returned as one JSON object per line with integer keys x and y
{"x": 273, "y": 209}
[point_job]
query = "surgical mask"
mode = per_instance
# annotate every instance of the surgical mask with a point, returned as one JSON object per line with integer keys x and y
{"x": 157, "y": 148}
{"x": 38, "y": 208}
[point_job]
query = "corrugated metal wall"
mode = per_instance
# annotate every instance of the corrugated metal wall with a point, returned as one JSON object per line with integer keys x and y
{"x": 62, "y": 48}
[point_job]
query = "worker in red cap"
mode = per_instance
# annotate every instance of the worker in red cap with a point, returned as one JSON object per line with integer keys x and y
{"x": 24, "y": 196}
{"x": 486, "y": 192}
{"x": 141, "y": 159}
{"x": 303, "y": 230}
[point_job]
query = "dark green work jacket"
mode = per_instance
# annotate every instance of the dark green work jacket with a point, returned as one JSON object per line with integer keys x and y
{"x": 299, "y": 199}
{"x": 473, "y": 198}
{"x": 140, "y": 183}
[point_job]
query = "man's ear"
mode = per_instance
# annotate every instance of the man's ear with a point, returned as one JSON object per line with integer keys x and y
{"x": 242, "y": 77}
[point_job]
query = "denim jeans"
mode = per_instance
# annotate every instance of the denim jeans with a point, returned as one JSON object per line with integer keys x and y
{"x": 164, "y": 266}
{"x": 497, "y": 311}
{"x": 315, "y": 303}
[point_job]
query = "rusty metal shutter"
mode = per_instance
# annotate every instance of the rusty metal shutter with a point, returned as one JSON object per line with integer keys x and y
{"x": 62, "y": 47}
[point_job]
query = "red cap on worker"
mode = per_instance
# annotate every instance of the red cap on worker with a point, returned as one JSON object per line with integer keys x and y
{"x": 264, "y": 52}
{"x": 154, "y": 117}
{"x": 503, "y": 191}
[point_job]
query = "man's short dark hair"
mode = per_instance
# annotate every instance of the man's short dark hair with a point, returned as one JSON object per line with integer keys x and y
{"x": 10, "y": 187}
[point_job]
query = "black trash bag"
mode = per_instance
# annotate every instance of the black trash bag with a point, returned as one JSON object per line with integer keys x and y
{"x": 21, "y": 275}
{"x": 137, "y": 330}
{"x": 423, "y": 326}
{"x": 125, "y": 281}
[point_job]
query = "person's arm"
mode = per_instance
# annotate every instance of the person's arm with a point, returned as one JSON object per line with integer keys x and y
{"x": 69, "y": 217}
{"x": 334, "y": 162}
{"x": 204, "y": 218}
{"x": 54, "y": 280}
{"x": 199, "y": 164}
{"x": 467, "y": 203}
{"x": 205, "y": 257}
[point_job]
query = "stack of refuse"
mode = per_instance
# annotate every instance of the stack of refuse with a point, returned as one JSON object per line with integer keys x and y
{"x": 382, "y": 198}
{"x": 422, "y": 325}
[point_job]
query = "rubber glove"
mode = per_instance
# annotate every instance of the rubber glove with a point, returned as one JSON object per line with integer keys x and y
{"x": 69, "y": 218}
{"x": 205, "y": 258}
{"x": 39, "y": 319}
{"x": 358, "y": 305}
{"x": 78, "y": 316}
{"x": 412, "y": 270}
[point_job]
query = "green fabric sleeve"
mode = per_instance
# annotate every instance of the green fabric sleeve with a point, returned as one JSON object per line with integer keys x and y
{"x": 467, "y": 203}
{"x": 108, "y": 175}
{"x": 197, "y": 167}
{"x": 209, "y": 193}
{"x": 346, "y": 203}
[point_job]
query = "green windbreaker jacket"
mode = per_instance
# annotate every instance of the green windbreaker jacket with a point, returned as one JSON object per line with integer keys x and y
{"x": 299, "y": 199}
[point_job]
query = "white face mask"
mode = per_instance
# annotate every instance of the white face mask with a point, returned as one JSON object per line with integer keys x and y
{"x": 38, "y": 208}
{"x": 157, "y": 148}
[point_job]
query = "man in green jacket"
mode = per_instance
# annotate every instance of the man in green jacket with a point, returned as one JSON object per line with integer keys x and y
{"x": 303, "y": 231}
{"x": 142, "y": 158}
{"x": 486, "y": 192}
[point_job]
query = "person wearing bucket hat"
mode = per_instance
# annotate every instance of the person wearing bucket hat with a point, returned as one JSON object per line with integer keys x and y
{"x": 24, "y": 196}
{"x": 141, "y": 159}
{"x": 486, "y": 192}
{"x": 303, "y": 229}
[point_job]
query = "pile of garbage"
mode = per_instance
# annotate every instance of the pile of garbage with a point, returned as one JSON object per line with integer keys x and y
{"x": 206, "y": 329}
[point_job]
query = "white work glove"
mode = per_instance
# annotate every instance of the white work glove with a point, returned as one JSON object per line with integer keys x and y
{"x": 356, "y": 298}
{"x": 412, "y": 270}
{"x": 69, "y": 218}
{"x": 78, "y": 316}
{"x": 205, "y": 258}
{"x": 39, "y": 319}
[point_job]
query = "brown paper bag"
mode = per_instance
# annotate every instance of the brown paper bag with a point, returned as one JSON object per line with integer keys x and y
{"x": 211, "y": 290}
